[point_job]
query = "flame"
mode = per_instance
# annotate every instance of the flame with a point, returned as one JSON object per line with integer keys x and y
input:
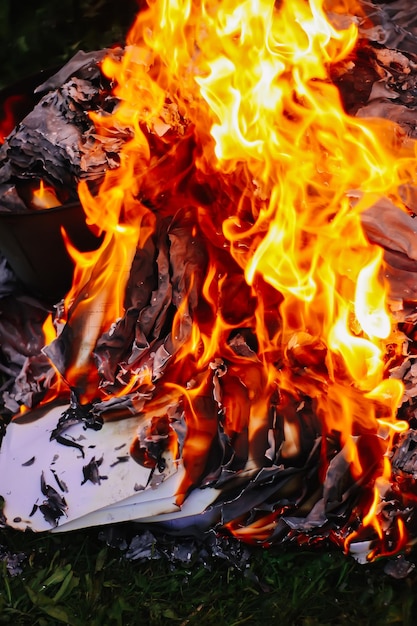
{"x": 266, "y": 131}
{"x": 44, "y": 197}
{"x": 48, "y": 329}
{"x": 9, "y": 115}
{"x": 56, "y": 387}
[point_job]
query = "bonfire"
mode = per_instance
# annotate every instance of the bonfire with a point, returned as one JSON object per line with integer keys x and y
{"x": 236, "y": 348}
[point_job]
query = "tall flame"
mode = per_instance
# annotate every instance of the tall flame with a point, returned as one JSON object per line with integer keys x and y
{"x": 251, "y": 81}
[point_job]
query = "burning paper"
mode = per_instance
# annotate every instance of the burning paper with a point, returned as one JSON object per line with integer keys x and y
{"x": 229, "y": 348}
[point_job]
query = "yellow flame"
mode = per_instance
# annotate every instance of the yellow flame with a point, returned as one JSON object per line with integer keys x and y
{"x": 370, "y": 301}
{"x": 45, "y": 197}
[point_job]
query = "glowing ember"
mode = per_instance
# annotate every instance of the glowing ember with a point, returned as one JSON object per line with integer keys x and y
{"x": 242, "y": 154}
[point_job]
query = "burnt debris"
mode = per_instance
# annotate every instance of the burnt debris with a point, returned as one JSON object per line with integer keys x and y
{"x": 54, "y": 506}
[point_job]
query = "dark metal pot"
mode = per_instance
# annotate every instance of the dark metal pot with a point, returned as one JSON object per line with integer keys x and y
{"x": 32, "y": 243}
{"x": 31, "y": 240}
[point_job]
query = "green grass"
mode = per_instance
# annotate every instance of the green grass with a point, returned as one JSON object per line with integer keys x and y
{"x": 77, "y": 579}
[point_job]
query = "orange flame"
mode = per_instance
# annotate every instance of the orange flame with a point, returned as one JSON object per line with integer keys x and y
{"x": 250, "y": 82}
{"x": 56, "y": 387}
{"x": 45, "y": 197}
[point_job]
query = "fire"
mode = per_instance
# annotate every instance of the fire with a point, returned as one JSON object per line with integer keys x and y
{"x": 45, "y": 197}
{"x": 8, "y": 115}
{"x": 260, "y": 120}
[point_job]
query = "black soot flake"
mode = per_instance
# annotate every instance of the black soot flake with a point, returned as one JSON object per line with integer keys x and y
{"x": 120, "y": 459}
{"x": 71, "y": 443}
{"x": 34, "y": 509}
{"x": 91, "y": 471}
{"x": 61, "y": 484}
{"x": 54, "y": 506}
{"x": 29, "y": 462}
{"x": 76, "y": 414}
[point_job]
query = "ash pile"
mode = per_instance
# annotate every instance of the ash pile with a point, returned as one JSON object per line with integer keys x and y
{"x": 188, "y": 447}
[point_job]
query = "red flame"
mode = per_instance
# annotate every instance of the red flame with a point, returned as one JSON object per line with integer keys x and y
{"x": 9, "y": 115}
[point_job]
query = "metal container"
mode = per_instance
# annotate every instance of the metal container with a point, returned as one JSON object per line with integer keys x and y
{"x": 32, "y": 243}
{"x": 31, "y": 240}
